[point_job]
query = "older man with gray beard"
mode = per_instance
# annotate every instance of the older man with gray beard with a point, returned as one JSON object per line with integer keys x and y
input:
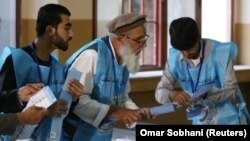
{"x": 130, "y": 59}
{"x": 105, "y": 64}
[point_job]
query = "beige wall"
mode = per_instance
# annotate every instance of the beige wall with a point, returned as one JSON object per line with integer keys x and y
{"x": 82, "y": 34}
{"x": 242, "y": 38}
{"x": 242, "y": 30}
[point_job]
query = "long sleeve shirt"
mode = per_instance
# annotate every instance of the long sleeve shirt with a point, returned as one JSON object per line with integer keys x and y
{"x": 166, "y": 86}
{"x": 8, "y": 123}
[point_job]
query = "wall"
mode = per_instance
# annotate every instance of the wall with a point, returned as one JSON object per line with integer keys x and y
{"x": 81, "y": 17}
{"x": 105, "y": 14}
{"x": 7, "y": 24}
{"x": 242, "y": 30}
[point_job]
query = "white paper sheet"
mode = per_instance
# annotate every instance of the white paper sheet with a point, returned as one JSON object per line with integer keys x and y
{"x": 72, "y": 74}
{"x": 43, "y": 98}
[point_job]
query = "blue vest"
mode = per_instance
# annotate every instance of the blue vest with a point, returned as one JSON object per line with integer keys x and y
{"x": 26, "y": 72}
{"x": 103, "y": 90}
{"x": 212, "y": 73}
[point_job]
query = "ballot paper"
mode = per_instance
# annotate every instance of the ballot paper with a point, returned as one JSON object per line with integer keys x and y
{"x": 201, "y": 92}
{"x": 72, "y": 74}
{"x": 162, "y": 109}
{"x": 43, "y": 98}
{"x": 56, "y": 125}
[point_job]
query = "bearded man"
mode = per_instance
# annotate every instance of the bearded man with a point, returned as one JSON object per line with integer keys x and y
{"x": 35, "y": 63}
{"x": 105, "y": 64}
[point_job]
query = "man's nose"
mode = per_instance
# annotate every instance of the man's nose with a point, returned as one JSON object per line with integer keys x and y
{"x": 71, "y": 34}
{"x": 141, "y": 47}
{"x": 185, "y": 53}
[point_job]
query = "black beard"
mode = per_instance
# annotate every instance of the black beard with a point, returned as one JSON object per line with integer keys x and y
{"x": 59, "y": 43}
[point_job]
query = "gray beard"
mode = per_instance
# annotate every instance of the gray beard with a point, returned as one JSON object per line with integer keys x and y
{"x": 130, "y": 60}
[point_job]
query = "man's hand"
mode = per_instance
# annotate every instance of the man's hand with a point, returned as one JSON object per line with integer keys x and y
{"x": 145, "y": 114}
{"x": 29, "y": 90}
{"x": 58, "y": 108}
{"x": 180, "y": 97}
{"x": 75, "y": 88}
{"x": 125, "y": 115}
{"x": 32, "y": 115}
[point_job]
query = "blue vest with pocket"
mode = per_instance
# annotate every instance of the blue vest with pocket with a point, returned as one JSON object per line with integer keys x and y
{"x": 103, "y": 90}
{"x": 212, "y": 73}
{"x": 25, "y": 69}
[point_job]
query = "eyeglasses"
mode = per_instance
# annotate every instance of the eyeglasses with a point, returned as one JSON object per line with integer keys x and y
{"x": 140, "y": 41}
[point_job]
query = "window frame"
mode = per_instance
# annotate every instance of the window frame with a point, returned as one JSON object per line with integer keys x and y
{"x": 161, "y": 34}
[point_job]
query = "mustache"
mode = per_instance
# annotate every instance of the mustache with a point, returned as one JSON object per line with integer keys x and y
{"x": 70, "y": 38}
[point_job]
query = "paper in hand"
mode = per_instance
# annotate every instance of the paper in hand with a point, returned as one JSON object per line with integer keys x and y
{"x": 201, "y": 91}
{"x": 72, "y": 74}
{"x": 44, "y": 98}
{"x": 162, "y": 109}
{"x": 87, "y": 81}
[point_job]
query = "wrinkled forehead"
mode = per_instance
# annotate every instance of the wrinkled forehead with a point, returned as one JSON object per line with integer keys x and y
{"x": 138, "y": 32}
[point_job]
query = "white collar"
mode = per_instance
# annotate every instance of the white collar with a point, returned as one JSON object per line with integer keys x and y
{"x": 113, "y": 50}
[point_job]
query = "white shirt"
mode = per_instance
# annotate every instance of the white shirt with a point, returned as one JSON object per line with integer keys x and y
{"x": 90, "y": 110}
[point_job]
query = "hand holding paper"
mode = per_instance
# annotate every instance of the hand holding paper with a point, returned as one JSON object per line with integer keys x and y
{"x": 44, "y": 98}
{"x": 200, "y": 93}
{"x": 72, "y": 85}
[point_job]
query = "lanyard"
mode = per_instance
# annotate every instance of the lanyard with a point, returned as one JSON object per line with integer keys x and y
{"x": 194, "y": 87}
{"x": 118, "y": 89}
{"x": 32, "y": 46}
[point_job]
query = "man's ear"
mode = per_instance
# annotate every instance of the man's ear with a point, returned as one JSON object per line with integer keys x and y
{"x": 119, "y": 37}
{"x": 50, "y": 30}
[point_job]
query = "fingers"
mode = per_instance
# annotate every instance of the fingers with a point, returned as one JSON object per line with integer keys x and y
{"x": 129, "y": 116}
{"x": 181, "y": 98}
{"x": 61, "y": 107}
{"x": 58, "y": 108}
{"x": 37, "y": 86}
{"x": 29, "y": 90}
{"x": 145, "y": 114}
{"x": 75, "y": 88}
{"x": 33, "y": 88}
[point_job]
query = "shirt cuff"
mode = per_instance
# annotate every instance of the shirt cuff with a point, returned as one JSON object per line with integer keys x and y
{"x": 101, "y": 115}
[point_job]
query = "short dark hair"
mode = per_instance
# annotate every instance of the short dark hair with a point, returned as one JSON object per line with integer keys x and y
{"x": 184, "y": 33}
{"x": 49, "y": 14}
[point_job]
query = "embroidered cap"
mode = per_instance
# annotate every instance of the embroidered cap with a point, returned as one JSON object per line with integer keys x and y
{"x": 125, "y": 22}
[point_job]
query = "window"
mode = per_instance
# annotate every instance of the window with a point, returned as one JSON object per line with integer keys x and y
{"x": 160, "y": 15}
{"x": 217, "y": 20}
{"x": 8, "y": 23}
{"x": 153, "y": 56}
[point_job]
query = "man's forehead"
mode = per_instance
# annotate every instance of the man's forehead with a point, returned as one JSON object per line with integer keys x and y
{"x": 139, "y": 32}
{"x": 66, "y": 20}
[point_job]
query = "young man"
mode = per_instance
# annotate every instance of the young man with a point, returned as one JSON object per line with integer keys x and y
{"x": 204, "y": 70}
{"x": 34, "y": 63}
{"x": 105, "y": 64}
{"x": 10, "y": 121}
